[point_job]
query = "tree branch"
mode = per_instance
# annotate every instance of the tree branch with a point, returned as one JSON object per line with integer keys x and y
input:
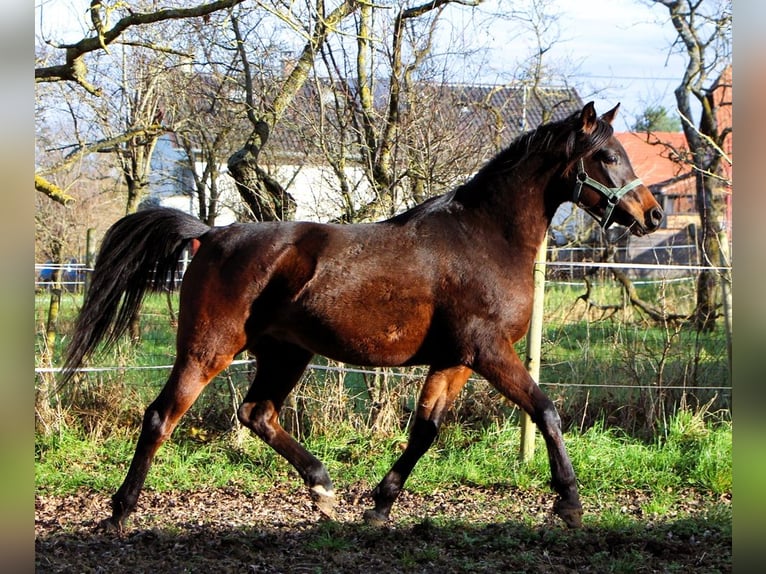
{"x": 53, "y": 191}
{"x": 107, "y": 145}
{"x": 74, "y": 68}
{"x": 300, "y": 72}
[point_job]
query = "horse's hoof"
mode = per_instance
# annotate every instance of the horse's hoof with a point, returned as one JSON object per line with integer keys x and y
{"x": 375, "y": 518}
{"x": 570, "y": 513}
{"x": 325, "y": 501}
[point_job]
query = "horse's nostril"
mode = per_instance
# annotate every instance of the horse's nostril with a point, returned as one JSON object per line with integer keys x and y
{"x": 654, "y": 217}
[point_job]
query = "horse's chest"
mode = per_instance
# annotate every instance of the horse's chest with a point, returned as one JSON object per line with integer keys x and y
{"x": 504, "y": 303}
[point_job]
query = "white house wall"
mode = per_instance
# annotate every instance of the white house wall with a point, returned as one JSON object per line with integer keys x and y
{"x": 316, "y": 190}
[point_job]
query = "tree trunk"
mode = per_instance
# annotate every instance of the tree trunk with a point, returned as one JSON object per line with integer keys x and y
{"x": 265, "y": 197}
{"x": 134, "y": 328}
{"x": 712, "y": 210}
{"x": 44, "y": 413}
{"x": 707, "y": 141}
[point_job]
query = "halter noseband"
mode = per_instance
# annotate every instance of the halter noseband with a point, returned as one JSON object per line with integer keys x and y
{"x": 613, "y": 195}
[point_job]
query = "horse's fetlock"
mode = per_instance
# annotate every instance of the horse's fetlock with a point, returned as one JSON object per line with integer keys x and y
{"x": 386, "y": 492}
{"x": 318, "y": 478}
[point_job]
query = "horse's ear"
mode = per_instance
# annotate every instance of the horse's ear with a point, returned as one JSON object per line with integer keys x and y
{"x": 588, "y": 118}
{"x": 608, "y": 117}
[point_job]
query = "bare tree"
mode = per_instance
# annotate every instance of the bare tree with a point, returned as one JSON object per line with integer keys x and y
{"x": 209, "y": 114}
{"x": 266, "y": 198}
{"x": 385, "y": 105}
{"x": 704, "y": 35}
{"x": 371, "y": 112}
{"x": 75, "y": 68}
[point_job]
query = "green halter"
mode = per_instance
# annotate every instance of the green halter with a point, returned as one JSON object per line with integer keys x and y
{"x": 613, "y": 195}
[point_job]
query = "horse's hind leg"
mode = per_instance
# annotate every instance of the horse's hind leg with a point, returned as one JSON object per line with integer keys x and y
{"x": 186, "y": 381}
{"x": 279, "y": 368}
{"x": 437, "y": 396}
{"x": 508, "y": 375}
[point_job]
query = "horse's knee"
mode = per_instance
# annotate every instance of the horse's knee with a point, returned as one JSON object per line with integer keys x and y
{"x": 550, "y": 417}
{"x": 544, "y": 413}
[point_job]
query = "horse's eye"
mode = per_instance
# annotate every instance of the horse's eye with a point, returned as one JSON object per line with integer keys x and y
{"x": 610, "y": 158}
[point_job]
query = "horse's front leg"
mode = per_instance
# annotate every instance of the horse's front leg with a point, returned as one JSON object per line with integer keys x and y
{"x": 437, "y": 396}
{"x": 507, "y": 374}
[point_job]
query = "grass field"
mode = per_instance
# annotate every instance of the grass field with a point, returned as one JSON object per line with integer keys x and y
{"x": 695, "y": 454}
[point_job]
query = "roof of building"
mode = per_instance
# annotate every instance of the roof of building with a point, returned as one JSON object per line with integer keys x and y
{"x": 661, "y": 159}
{"x": 658, "y": 158}
{"x": 487, "y": 117}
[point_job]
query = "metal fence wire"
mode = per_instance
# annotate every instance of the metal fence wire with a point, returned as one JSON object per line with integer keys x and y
{"x": 602, "y": 359}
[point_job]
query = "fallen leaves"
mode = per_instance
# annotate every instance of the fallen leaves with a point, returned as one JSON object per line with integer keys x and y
{"x": 488, "y": 529}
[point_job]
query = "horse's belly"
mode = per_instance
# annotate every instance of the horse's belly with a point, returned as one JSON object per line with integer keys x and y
{"x": 371, "y": 335}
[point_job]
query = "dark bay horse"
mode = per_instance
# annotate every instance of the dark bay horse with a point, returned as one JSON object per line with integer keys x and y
{"x": 446, "y": 284}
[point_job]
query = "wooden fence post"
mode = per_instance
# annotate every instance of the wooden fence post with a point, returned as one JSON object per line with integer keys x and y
{"x": 534, "y": 344}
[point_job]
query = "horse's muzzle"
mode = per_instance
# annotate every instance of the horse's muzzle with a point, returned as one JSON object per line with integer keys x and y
{"x": 653, "y": 218}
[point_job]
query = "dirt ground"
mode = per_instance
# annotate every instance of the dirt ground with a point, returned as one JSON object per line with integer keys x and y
{"x": 499, "y": 529}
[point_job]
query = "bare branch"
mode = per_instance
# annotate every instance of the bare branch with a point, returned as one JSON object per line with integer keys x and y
{"x": 108, "y": 145}
{"x": 53, "y": 191}
{"x": 74, "y": 68}
{"x": 300, "y": 72}
{"x": 707, "y": 138}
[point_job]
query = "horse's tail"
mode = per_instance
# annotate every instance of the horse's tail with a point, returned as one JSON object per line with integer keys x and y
{"x": 139, "y": 253}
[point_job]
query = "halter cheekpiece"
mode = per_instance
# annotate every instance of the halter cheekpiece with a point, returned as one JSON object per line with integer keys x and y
{"x": 613, "y": 195}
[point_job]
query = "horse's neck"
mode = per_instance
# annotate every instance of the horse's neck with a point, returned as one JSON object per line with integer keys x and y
{"x": 515, "y": 205}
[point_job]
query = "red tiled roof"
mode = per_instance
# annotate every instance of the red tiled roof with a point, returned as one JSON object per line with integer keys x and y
{"x": 657, "y": 158}
{"x": 724, "y": 113}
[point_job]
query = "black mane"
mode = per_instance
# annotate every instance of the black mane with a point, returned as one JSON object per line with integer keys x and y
{"x": 557, "y": 137}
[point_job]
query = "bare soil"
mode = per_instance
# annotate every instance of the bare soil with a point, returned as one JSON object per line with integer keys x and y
{"x": 499, "y": 529}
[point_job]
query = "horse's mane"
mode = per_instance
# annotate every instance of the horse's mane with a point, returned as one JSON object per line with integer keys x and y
{"x": 557, "y": 137}
{"x": 560, "y": 137}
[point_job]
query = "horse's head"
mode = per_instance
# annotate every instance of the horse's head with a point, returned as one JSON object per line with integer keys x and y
{"x": 605, "y": 184}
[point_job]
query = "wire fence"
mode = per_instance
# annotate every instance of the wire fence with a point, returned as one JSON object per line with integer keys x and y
{"x": 345, "y": 370}
{"x": 602, "y": 360}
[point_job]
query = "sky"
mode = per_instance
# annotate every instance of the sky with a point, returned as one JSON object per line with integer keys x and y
{"x": 613, "y": 50}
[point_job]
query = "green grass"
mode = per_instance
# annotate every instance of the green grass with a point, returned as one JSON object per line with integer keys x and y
{"x": 694, "y": 455}
{"x": 673, "y": 525}
{"x": 620, "y": 372}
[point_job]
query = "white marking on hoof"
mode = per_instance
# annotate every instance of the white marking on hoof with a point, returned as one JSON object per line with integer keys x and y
{"x": 320, "y": 490}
